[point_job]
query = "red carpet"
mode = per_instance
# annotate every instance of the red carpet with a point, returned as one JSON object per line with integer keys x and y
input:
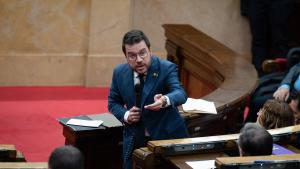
{"x": 28, "y": 115}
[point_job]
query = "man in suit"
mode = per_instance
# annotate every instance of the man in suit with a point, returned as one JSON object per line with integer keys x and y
{"x": 144, "y": 95}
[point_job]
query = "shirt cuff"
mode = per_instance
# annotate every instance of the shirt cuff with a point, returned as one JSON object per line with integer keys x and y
{"x": 284, "y": 86}
{"x": 168, "y": 101}
{"x": 126, "y": 116}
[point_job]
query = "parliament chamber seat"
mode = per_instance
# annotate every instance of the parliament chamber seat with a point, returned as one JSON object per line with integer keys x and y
{"x": 171, "y": 154}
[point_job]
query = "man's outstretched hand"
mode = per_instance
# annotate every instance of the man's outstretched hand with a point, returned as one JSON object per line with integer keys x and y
{"x": 159, "y": 102}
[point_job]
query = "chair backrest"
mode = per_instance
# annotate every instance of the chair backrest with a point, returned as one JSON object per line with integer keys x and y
{"x": 293, "y": 57}
{"x": 282, "y": 64}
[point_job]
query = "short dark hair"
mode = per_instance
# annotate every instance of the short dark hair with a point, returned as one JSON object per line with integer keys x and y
{"x": 255, "y": 140}
{"x": 133, "y": 37}
{"x": 66, "y": 157}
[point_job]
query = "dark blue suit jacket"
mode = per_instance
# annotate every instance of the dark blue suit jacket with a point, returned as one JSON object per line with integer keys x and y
{"x": 162, "y": 77}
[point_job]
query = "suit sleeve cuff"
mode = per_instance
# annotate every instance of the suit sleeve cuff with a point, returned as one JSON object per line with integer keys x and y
{"x": 284, "y": 86}
{"x": 168, "y": 101}
{"x": 126, "y": 116}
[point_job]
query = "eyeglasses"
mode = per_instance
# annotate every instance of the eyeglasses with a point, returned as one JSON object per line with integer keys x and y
{"x": 133, "y": 56}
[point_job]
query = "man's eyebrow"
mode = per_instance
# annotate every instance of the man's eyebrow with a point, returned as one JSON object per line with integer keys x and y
{"x": 142, "y": 50}
{"x": 131, "y": 52}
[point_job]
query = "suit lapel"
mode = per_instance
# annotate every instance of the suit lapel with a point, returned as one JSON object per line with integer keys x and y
{"x": 151, "y": 79}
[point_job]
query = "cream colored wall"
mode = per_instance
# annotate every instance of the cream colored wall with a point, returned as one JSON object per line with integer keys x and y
{"x": 78, "y": 42}
{"x": 43, "y": 42}
{"x": 220, "y": 19}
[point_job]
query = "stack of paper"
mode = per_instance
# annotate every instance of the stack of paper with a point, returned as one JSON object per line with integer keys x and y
{"x": 199, "y": 106}
{"x": 205, "y": 164}
{"x": 87, "y": 123}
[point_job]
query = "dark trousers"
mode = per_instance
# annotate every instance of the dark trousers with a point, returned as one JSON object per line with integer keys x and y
{"x": 269, "y": 28}
{"x": 128, "y": 163}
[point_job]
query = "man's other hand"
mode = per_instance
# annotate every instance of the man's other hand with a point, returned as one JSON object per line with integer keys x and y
{"x": 134, "y": 115}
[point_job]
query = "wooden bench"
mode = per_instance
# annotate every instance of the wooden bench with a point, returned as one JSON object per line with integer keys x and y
{"x": 211, "y": 71}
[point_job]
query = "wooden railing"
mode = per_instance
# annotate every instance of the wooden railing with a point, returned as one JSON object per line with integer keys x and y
{"x": 211, "y": 71}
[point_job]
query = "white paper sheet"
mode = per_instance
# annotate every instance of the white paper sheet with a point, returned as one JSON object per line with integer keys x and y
{"x": 87, "y": 123}
{"x": 199, "y": 106}
{"x": 205, "y": 164}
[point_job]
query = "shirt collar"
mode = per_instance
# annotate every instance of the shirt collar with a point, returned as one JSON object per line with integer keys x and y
{"x": 135, "y": 74}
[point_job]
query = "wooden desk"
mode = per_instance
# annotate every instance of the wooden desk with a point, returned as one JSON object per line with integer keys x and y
{"x": 211, "y": 71}
{"x": 223, "y": 161}
{"x": 24, "y": 165}
{"x": 228, "y": 162}
{"x": 100, "y": 146}
{"x": 163, "y": 154}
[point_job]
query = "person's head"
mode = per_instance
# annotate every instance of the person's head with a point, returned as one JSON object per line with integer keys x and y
{"x": 255, "y": 140}
{"x": 275, "y": 114}
{"x": 295, "y": 106}
{"x": 66, "y": 157}
{"x": 136, "y": 47}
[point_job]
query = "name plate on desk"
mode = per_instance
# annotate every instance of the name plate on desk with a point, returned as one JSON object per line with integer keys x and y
{"x": 194, "y": 148}
{"x": 192, "y": 145}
